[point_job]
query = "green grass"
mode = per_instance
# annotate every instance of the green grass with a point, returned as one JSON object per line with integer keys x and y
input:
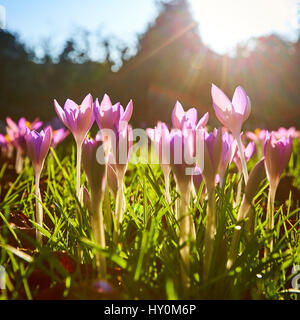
{"x": 145, "y": 264}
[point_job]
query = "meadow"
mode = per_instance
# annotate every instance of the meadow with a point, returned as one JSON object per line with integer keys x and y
{"x": 174, "y": 238}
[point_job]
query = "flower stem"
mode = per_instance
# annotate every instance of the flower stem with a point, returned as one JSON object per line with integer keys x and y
{"x": 38, "y": 207}
{"x": 187, "y": 229}
{"x": 270, "y": 214}
{"x": 78, "y": 169}
{"x": 120, "y": 207}
{"x": 239, "y": 190}
{"x": 99, "y": 233}
{"x": 19, "y": 161}
{"x": 210, "y": 232}
{"x": 242, "y": 157}
{"x": 107, "y": 210}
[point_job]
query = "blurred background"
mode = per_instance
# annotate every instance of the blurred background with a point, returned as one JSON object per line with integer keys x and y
{"x": 154, "y": 52}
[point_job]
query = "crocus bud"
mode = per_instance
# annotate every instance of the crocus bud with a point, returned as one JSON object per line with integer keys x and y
{"x": 77, "y": 118}
{"x": 277, "y": 155}
{"x": 180, "y": 118}
{"x": 212, "y": 157}
{"x": 38, "y": 145}
{"x": 109, "y": 116}
{"x": 232, "y": 114}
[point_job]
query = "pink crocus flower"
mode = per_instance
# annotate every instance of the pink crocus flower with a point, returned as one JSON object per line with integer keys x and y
{"x": 108, "y": 116}
{"x": 257, "y": 136}
{"x": 156, "y": 136}
{"x": 232, "y": 114}
{"x": 189, "y": 119}
{"x": 277, "y": 153}
{"x": 16, "y": 133}
{"x": 59, "y": 135}
{"x": 37, "y": 146}
{"x": 77, "y": 118}
{"x": 283, "y": 132}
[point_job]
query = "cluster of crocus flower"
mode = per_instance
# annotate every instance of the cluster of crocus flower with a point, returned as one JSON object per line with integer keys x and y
{"x": 105, "y": 158}
{"x": 15, "y": 138}
{"x": 219, "y": 149}
{"x": 277, "y": 148}
{"x": 27, "y": 141}
{"x": 196, "y": 157}
{"x": 16, "y": 133}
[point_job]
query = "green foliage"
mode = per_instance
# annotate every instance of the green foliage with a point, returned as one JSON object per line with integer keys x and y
{"x": 145, "y": 262}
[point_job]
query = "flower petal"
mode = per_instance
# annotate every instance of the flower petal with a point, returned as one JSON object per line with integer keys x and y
{"x": 128, "y": 112}
{"x": 60, "y": 112}
{"x": 177, "y": 115}
{"x": 240, "y": 101}
{"x": 220, "y": 99}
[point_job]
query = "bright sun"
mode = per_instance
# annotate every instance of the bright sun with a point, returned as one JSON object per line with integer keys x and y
{"x": 224, "y": 23}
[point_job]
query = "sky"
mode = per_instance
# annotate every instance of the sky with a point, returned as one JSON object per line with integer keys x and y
{"x": 222, "y": 23}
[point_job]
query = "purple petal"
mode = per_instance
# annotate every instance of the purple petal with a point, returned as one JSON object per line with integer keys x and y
{"x": 192, "y": 116}
{"x": 60, "y": 112}
{"x": 12, "y": 125}
{"x": 46, "y": 142}
{"x": 240, "y": 101}
{"x": 177, "y": 115}
{"x": 203, "y": 121}
{"x": 249, "y": 151}
{"x": 220, "y": 100}
{"x": 106, "y": 103}
{"x": 128, "y": 112}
